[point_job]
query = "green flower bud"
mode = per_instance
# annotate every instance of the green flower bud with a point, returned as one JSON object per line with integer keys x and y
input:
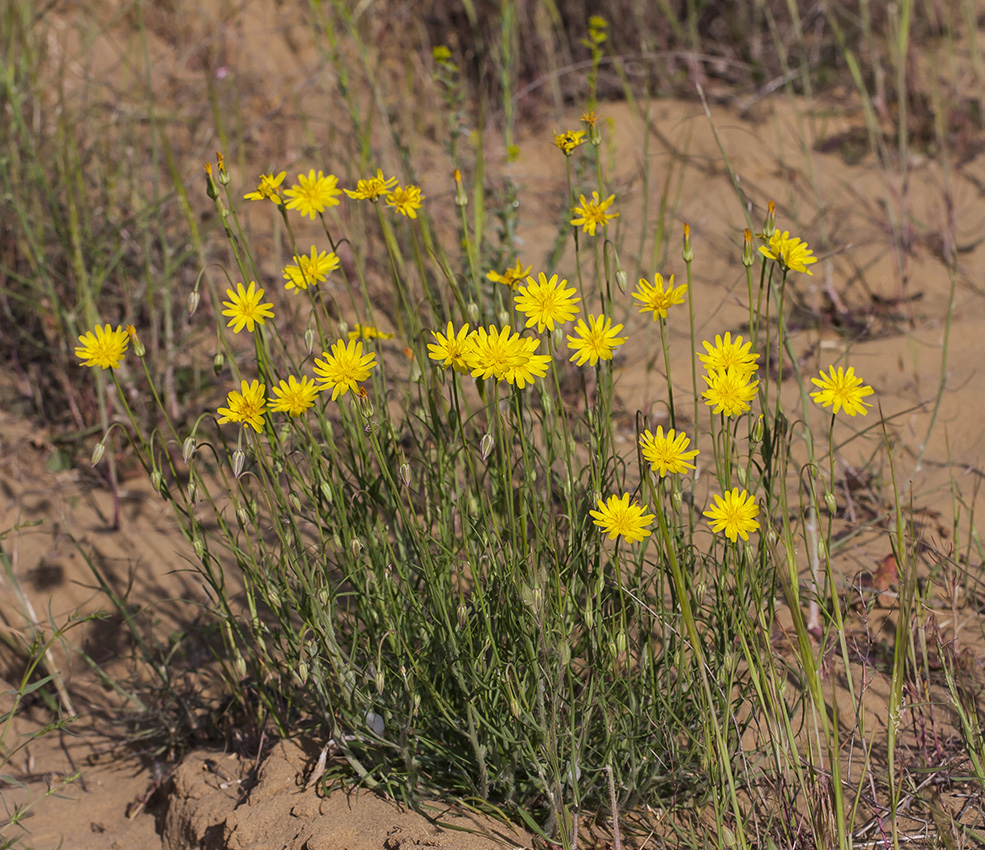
{"x": 218, "y": 362}
{"x": 98, "y": 451}
{"x": 239, "y": 462}
{"x": 188, "y": 449}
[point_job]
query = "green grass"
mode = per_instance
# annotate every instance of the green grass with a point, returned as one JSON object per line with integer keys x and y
{"x": 414, "y": 574}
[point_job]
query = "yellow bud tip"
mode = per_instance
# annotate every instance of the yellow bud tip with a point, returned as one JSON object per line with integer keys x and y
{"x": 131, "y": 332}
{"x": 208, "y": 168}
{"x": 772, "y": 207}
{"x": 457, "y": 175}
{"x": 748, "y": 235}
{"x": 687, "y": 231}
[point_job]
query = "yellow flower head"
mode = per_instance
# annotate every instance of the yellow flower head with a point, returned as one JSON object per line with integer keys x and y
{"x": 406, "y": 200}
{"x": 592, "y": 214}
{"x": 267, "y": 188}
{"x": 729, "y": 354}
{"x": 344, "y": 368}
{"x": 657, "y": 300}
{"x": 495, "y": 353}
{"x": 667, "y": 453}
{"x": 294, "y": 397}
{"x": 618, "y": 518}
{"x": 372, "y": 188}
{"x": 451, "y": 348}
{"x": 790, "y": 253}
{"x": 735, "y": 514}
{"x": 104, "y": 348}
{"x": 313, "y": 194}
{"x": 729, "y": 391}
{"x": 589, "y": 118}
{"x": 545, "y": 302}
{"x": 567, "y": 142}
{"x": 368, "y": 332}
{"x": 310, "y": 270}
{"x": 246, "y": 406}
{"x": 244, "y": 308}
{"x": 842, "y": 389}
{"x": 528, "y": 365}
{"x": 594, "y": 341}
{"x": 510, "y": 277}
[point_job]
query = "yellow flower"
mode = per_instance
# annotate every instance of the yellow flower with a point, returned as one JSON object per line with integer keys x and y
{"x": 311, "y": 195}
{"x": 245, "y": 308}
{"x": 344, "y": 367}
{"x": 494, "y": 353}
{"x": 294, "y": 397}
{"x": 510, "y": 277}
{"x": 529, "y": 365}
{"x": 104, "y": 348}
{"x": 655, "y": 299}
{"x": 567, "y": 142}
{"x": 368, "y": 332}
{"x": 789, "y": 253}
{"x": 372, "y": 188}
{"x": 735, "y": 514}
{"x": 406, "y": 200}
{"x": 589, "y": 118}
{"x": 246, "y": 406}
{"x": 842, "y": 389}
{"x": 594, "y": 341}
{"x": 451, "y": 348}
{"x": 727, "y": 354}
{"x": 310, "y": 270}
{"x": 667, "y": 454}
{"x": 729, "y": 391}
{"x": 592, "y": 214}
{"x": 267, "y": 188}
{"x": 545, "y": 302}
{"x": 618, "y": 518}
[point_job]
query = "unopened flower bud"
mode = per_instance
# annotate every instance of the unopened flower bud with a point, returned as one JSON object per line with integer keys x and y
{"x": 769, "y": 226}
{"x": 830, "y": 503}
{"x": 461, "y": 199}
{"x": 463, "y": 616}
{"x": 740, "y": 473}
{"x": 503, "y": 318}
{"x": 309, "y": 340}
{"x": 302, "y": 672}
{"x": 343, "y": 331}
{"x": 295, "y": 503}
{"x": 472, "y": 310}
{"x": 772, "y": 538}
{"x": 326, "y": 491}
{"x": 514, "y": 707}
{"x": 210, "y": 188}
{"x": 188, "y": 449}
{"x": 193, "y": 491}
{"x": 98, "y": 451}
{"x": 564, "y": 653}
{"x": 243, "y": 515}
{"x": 156, "y": 479}
{"x": 138, "y": 346}
{"x": 194, "y": 297}
{"x": 688, "y": 250}
{"x": 486, "y": 445}
{"x": 622, "y": 280}
{"x": 747, "y": 252}
{"x": 222, "y": 176}
{"x": 589, "y": 616}
{"x": 756, "y": 434}
{"x": 676, "y": 499}
{"x": 622, "y": 641}
{"x": 356, "y": 547}
{"x": 239, "y": 462}
{"x": 380, "y": 681}
{"x": 323, "y": 597}
{"x": 239, "y": 665}
{"x": 199, "y": 546}
{"x": 273, "y": 597}
{"x": 218, "y": 362}
{"x": 405, "y": 474}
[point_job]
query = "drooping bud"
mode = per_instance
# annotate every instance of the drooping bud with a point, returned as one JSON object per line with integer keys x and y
{"x": 239, "y": 462}
{"x": 486, "y": 445}
{"x": 188, "y": 449}
{"x": 210, "y": 188}
{"x": 98, "y": 451}
{"x": 194, "y": 298}
{"x": 218, "y": 362}
{"x": 830, "y": 503}
{"x": 199, "y": 546}
{"x": 309, "y": 339}
{"x": 472, "y": 310}
{"x": 356, "y": 547}
{"x": 405, "y": 474}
